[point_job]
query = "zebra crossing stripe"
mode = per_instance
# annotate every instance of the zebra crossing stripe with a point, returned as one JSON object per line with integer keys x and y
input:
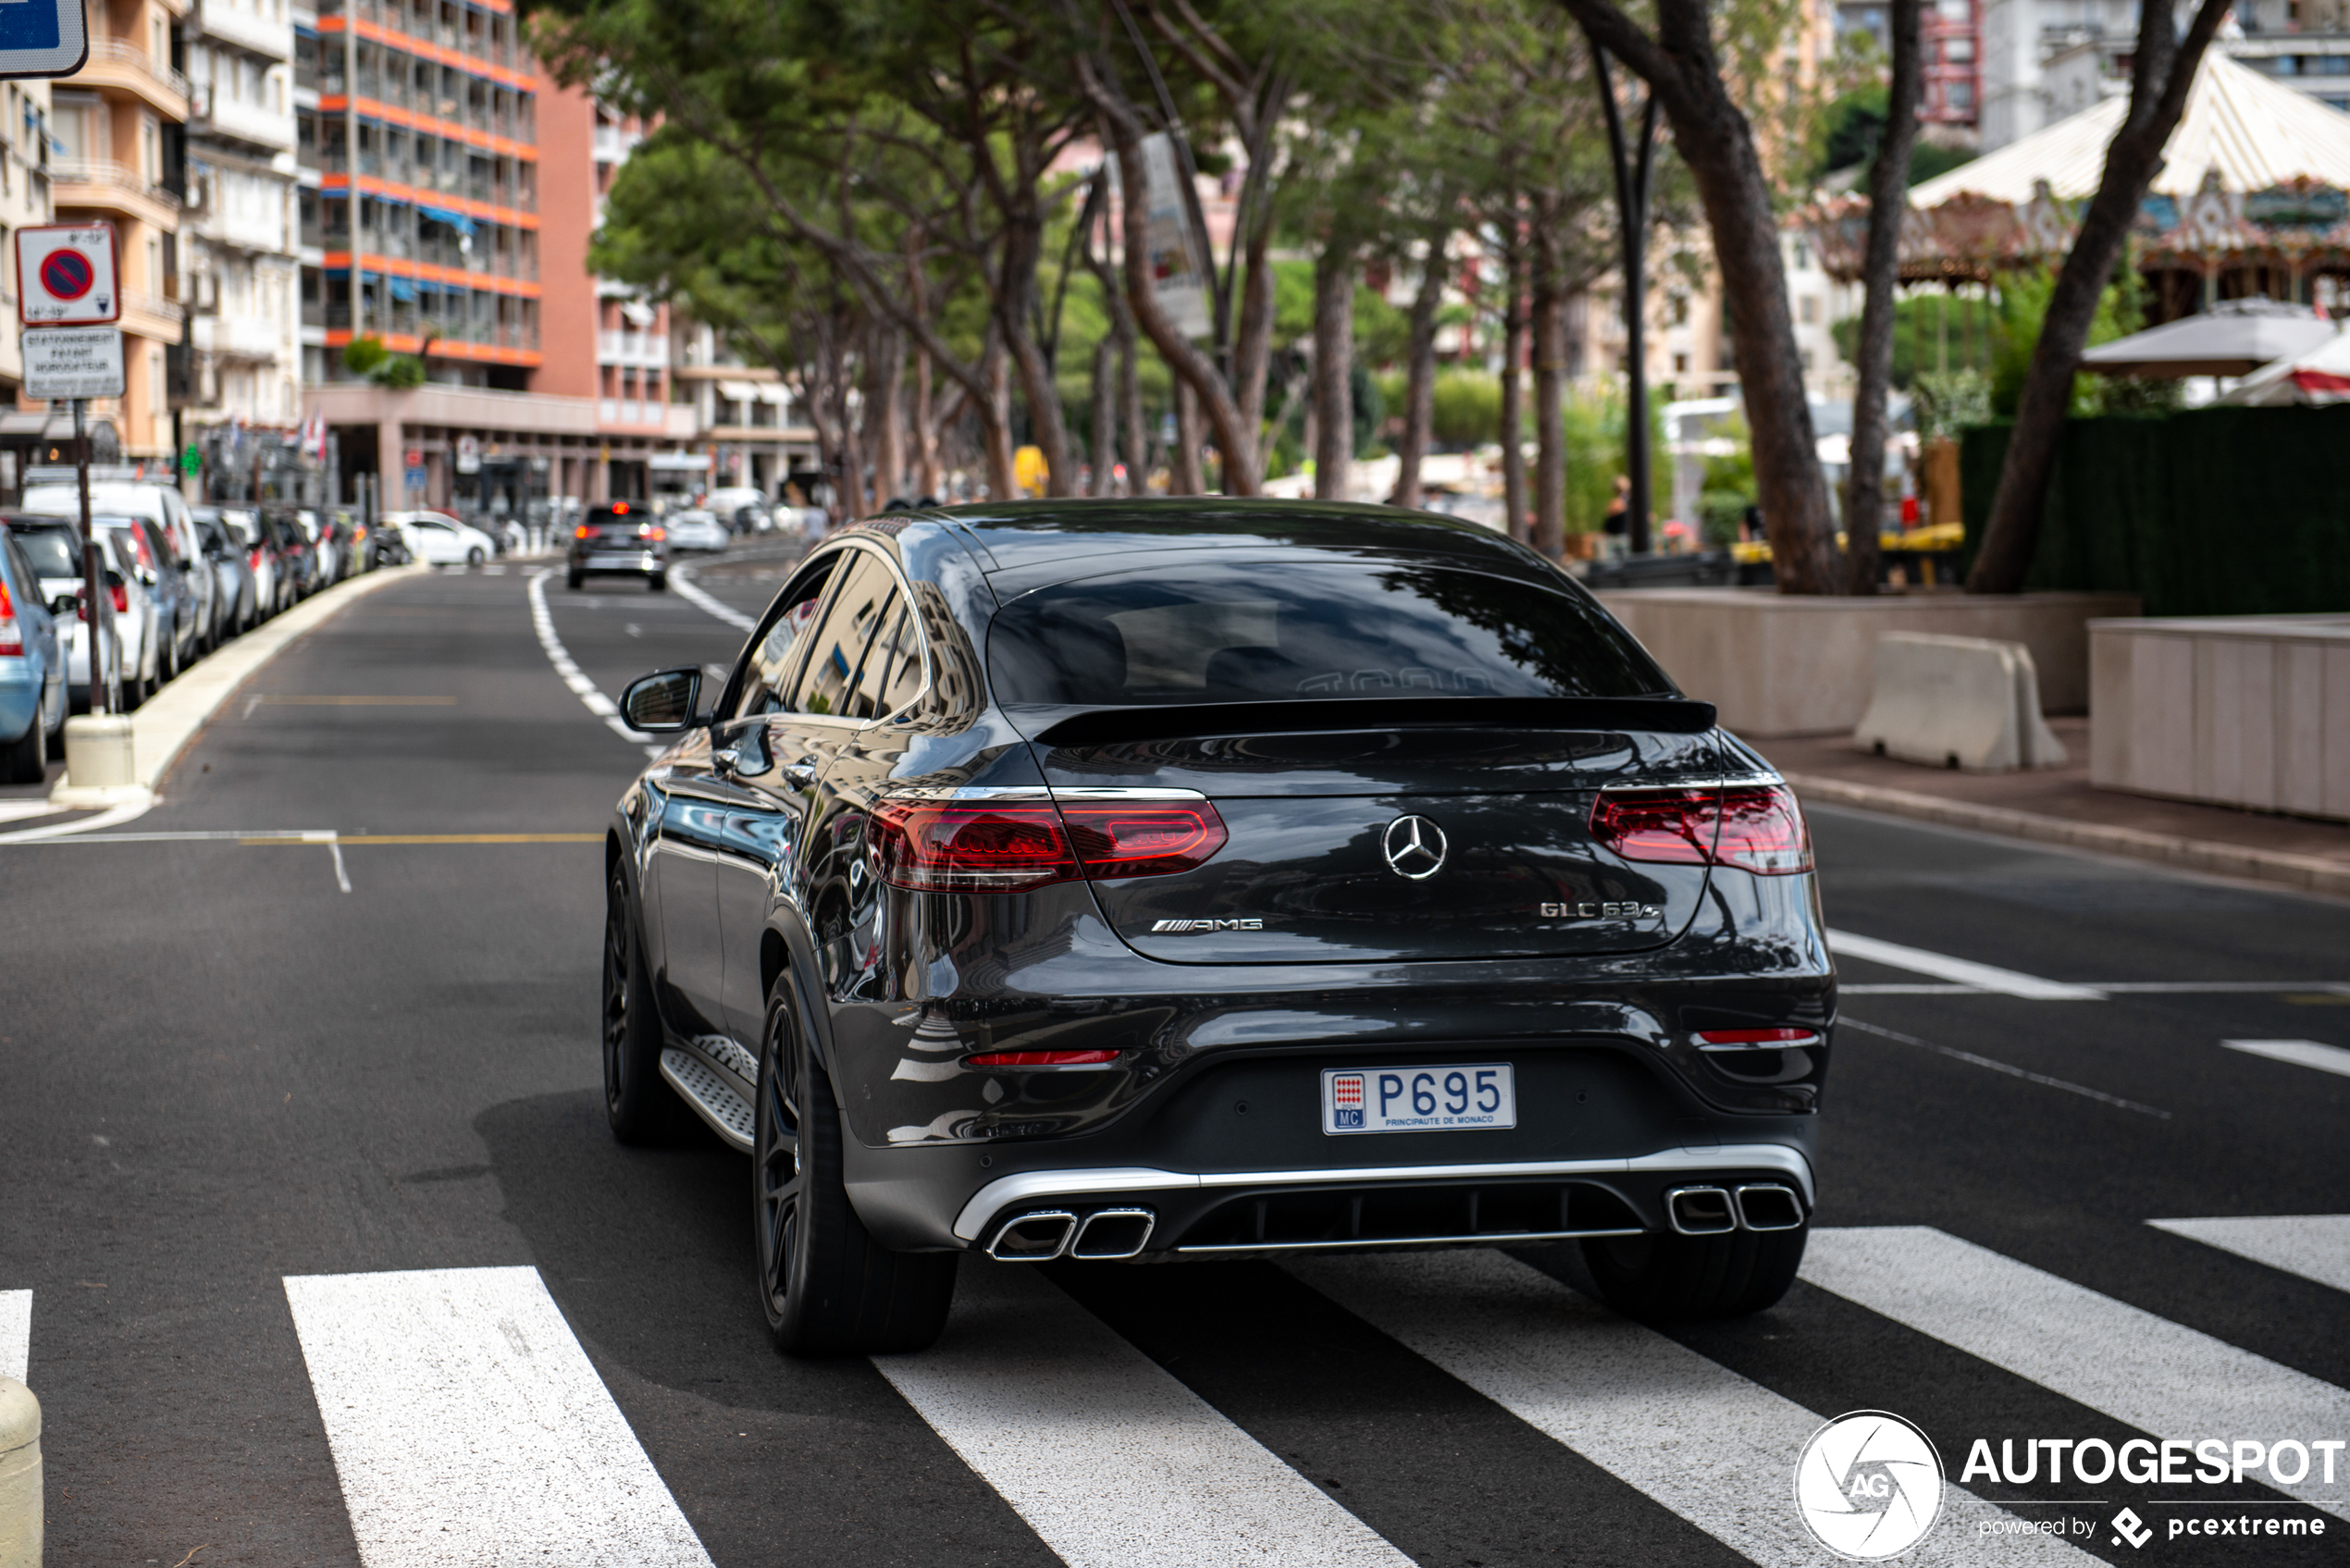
{"x": 2160, "y": 1376}
{"x": 1109, "y": 1459}
{"x": 2315, "y": 1246}
{"x": 468, "y": 1426}
{"x": 1713, "y": 1447}
{"x": 15, "y": 1334}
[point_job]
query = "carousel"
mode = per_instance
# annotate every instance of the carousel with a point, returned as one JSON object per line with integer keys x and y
{"x": 2253, "y": 201}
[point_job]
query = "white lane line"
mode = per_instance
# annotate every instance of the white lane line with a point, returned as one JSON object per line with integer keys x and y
{"x": 568, "y": 670}
{"x": 2300, "y": 1053}
{"x": 66, "y": 832}
{"x": 2008, "y": 1067}
{"x": 15, "y": 1334}
{"x": 2315, "y": 1246}
{"x": 2160, "y": 1376}
{"x": 695, "y": 594}
{"x": 1110, "y": 1459}
{"x": 1713, "y": 1447}
{"x": 1964, "y": 972}
{"x": 17, "y": 811}
{"x": 468, "y": 1426}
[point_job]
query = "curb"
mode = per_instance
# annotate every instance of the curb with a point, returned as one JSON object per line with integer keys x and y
{"x": 2306, "y": 873}
{"x": 166, "y": 722}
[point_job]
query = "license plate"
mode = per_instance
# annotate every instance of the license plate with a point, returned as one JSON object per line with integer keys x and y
{"x": 1446, "y": 1099}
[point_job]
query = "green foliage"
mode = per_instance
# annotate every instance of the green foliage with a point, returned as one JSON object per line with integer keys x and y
{"x": 1944, "y": 402}
{"x": 368, "y": 357}
{"x": 1992, "y": 339}
{"x": 1594, "y": 429}
{"x": 2023, "y": 304}
{"x": 1469, "y": 408}
{"x": 1852, "y": 126}
{"x": 1932, "y": 327}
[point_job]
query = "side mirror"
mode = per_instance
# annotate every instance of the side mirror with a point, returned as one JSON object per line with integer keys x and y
{"x": 66, "y": 604}
{"x": 661, "y": 703}
{"x": 114, "y": 578}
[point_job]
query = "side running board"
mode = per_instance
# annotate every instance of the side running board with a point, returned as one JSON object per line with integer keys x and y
{"x": 717, "y": 1102}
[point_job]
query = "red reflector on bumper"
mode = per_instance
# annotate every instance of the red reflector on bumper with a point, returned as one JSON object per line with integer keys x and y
{"x": 1040, "y": 1058}
{"x": 1761, "y": 1037}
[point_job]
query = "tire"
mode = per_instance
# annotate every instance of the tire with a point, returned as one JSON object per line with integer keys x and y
{"x": 639, "y": 1103}
{"x": 577, "y": 580}
{"x": 657, "y": 583}
{"x": 1674, "y": 1279}
{"x": 473, "y": 556}
{"x": 826, "y": 1285}
{"x": 22, "y": 762}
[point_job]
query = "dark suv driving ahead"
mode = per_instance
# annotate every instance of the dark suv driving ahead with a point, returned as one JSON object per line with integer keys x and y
{"x": 1213, "y": 879}
{"x": 619, "y": 537}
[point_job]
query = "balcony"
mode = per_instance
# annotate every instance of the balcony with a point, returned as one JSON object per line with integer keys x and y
{"x": 234, "y": 336}
{"x": 125, "y": 67}
{"x": 214, "y": 112}
{"x": 106, "y": 185}
{"x": 245, "y": 31}
{"x": 612, "y": 144}
{"x": 632, "y": 348}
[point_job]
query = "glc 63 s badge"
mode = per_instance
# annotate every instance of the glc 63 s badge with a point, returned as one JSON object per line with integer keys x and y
{"x": 1201, "y": 928}
{"x": 1603, "y": 911}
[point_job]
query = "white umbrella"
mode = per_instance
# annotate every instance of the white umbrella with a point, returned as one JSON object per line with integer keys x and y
{"x": 2232, "y": 339}
{"x": 2316, "y": 376}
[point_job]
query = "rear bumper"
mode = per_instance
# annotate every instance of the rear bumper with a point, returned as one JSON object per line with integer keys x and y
{"x": 644, "y": 563}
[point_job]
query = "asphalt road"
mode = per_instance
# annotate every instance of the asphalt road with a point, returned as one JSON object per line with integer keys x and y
{"x": 220, "y": 1071}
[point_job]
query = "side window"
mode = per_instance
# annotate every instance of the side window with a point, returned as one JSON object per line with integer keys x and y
{"x": 776, "y": 654}
{"x": 827, "y": 684}
{"x": 893, "y": 673}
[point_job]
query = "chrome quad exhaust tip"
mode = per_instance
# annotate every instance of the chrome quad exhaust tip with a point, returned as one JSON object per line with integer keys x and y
{"x": 1113, "y": 1233}
{"x": 1715, "y": 1211}
{"x": 1767, "y": 1205}
{"x": 1037, "y": 1237}
{"x": 1700, "y": 1211}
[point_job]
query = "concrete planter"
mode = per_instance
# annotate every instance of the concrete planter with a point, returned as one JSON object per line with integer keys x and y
{"x": 2251, "y": 711}
{"x": 1783, "y": 664}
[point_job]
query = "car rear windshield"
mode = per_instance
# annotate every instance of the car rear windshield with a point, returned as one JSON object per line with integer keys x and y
{"x": 1276, "y": 631}
{"x": 55, "y": 552}
{"x": 625, "y": 521}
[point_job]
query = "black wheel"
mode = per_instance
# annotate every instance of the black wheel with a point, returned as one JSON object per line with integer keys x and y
{"x": 1671, "y": 1278}
{"x": 22, "y": 760}
{"x": 577, "y": 580}
{"x": 657, "y": 583}
{"x": 473, "y": 556}
{"x": 640, "y": 1105}
{"x": 828, "y": 1288}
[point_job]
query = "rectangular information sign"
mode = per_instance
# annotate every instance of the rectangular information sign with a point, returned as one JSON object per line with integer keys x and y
{"x": 72, "y": 362}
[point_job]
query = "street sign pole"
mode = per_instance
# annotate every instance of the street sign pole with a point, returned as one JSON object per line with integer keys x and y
{"x": 97, "y": 605}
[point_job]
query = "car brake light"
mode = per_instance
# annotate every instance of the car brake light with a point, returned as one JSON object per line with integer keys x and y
{"x": 933, "y": 847}
{"x": 620, "y": 508}
{"x": 11, "y": 640}
{"x": 1761, "y": 1037}
{"x": 652, "y": 533}
{"x": 1040, "y": 1058}
{"x": 1142, "y": 841}
{"x": 1754, "y": 828}
{"x": 582, "y": 532}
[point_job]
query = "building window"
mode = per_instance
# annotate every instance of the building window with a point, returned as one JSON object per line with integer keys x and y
{"x": 1807, "y": 310}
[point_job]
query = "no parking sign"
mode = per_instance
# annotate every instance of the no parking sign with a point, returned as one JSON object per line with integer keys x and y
{"x": 67, "y": 274}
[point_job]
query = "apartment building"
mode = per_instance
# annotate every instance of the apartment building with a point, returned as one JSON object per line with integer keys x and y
{"x": 1950, "y": 68}
{"x": 241, "y": 260}
{"x": 119, "y": 155}
{"x": 24, "y": 199}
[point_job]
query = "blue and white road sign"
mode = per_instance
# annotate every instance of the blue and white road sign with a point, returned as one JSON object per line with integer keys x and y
{"x": 43, "y": 37}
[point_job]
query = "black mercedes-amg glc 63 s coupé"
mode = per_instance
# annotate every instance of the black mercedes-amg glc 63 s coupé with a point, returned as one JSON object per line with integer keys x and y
{"x": 1192, "y": 880}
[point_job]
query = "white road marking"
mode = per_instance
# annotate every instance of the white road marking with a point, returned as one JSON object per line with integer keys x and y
{"x": 1110, "y": 1459}
{"x": 2315, "y": 1246}
{"x": 1964, "y": 972}
{"x": 695, "y": 594}
{"x": 2300, "y": 1053}
{"x": 17, "y": 811}
{"x": 468, "y": 1426}
{"x": 2162, "y": 1378}
{"x": 2008, "y": 1067}
{"x": 342, "y": 877}
{"x": 1702, "y": 1441}
{"x": 15, "y": 1334}
{"x": 568, "y": 670}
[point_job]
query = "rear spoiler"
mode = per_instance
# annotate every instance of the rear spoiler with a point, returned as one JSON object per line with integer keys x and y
{"x": 1107, "y": 726}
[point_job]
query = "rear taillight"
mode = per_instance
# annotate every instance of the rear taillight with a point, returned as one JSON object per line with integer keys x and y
{"x": 254, "y": 559}
{"x": 1040, "y": 1058}
{"x": 582, "y": 532}
{"x": 934, "y": 849}
{"x": 11, "y": 640}
{"x": 652, "y": 533}
{"x": 1758, "y": 1039}
{"x": 121, "y": 597}
{"x": 1142, "y": 841}
{"x": 1755, "y": 828}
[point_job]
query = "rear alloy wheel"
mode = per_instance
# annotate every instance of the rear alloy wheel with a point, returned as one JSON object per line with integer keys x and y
{"x": 657, "y": 583}
{"x": 1667, "y": 1277}
{"x": 828, "y": 1288}
{"x": 640, "y": 1105}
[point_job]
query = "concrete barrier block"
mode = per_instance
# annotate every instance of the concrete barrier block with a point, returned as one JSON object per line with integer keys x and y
{"x": 19, "y": 1477}
{"x": 1957, "y": 702}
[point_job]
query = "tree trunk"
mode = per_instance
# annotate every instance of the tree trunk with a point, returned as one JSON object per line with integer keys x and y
{"x": 1133, "y": 420}
{"x": 1513, "y": 432}
{"x": 1550, "y": 377}
{"x": 1103, "y": 451}
{"x": 2161, "y": 72}
{"x": 926, "y": 429}
{"x": 1333, "y": 368}
{"x": 853, "y": 501}
{"x": 994, "y": 413}
{"x": 1047, "y": 426}
{"x": 1420, "y": 376}
{"x": 1888, "y": 182}
{"x": 1717, "y": 145}
{"x": 1182, "y": 459}
{"x": 888, "y": 415}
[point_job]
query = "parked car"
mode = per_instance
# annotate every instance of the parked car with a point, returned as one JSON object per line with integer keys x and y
{"x": 158, "y": 502}
{"x": 236, "y": 594}
{"x": 696, "y": 530}
{"x": 1212, "y": 879}
{"x": 262, "y": 560}
{"x": 33, "y": 698}
{"x": 619, "y": 537}
{"x": 384, "y": 545}
{"x": 178, "y": 625}
{"x": 54, "y": 546}
{"x": 297, "y": 559}
{"x": 437, "y": 539}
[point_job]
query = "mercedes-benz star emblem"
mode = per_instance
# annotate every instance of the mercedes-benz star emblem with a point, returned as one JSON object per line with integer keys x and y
{"x": 1413, "y": 847}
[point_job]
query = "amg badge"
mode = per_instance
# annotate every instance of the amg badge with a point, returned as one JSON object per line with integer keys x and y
{"x": 1201, "y": 928}
{"x": 1603, "y": 911}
